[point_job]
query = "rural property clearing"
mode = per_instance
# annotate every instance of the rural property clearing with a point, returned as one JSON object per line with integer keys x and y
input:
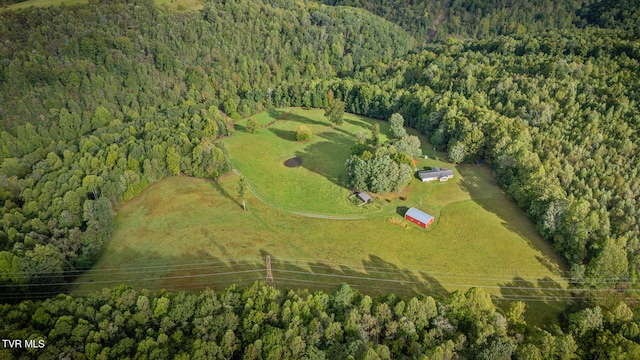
{"x": 186, "y": 233}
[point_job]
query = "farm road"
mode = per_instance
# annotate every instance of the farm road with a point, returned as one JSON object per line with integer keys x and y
{"x": 261, "y": 197}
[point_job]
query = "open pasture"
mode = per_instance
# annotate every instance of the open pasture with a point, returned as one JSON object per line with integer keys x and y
{"x": 186, "y": 233}
{"x": 319, "y": 184}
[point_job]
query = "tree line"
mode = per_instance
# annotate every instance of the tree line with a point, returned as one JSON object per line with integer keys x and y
{"x": 261, "y": 322}
{"x": 59, "y": 198}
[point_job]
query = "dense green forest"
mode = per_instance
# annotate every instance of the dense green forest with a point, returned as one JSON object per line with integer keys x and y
{"x": 261, "y": 322}
{"x": 98, "y": 101}
{"x": 440, "y": 19}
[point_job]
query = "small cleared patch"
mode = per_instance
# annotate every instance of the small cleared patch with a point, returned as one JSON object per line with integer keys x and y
{"x": 398, "y": 221}
{"x": 293, "y": 162}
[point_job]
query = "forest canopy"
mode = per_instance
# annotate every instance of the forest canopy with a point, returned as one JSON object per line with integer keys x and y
{"x": 263, "y": 322}
{"x": 99, "y": 101}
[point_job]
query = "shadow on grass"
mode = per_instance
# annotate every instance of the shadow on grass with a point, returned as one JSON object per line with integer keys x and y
{"x": 402, "y": 210}
{"x": 360, "y": 123}
{"x": 224, "y": 192}
{"x": 193, "y": 272}
{"x": 375, "y": 277}
{"x": 279, "y": 115}
{"x": 308, "y": 121}
{"x": 472, "y": 183}
{"x": 186, "y": 271}
{"x": 200, "y": 270}
{"x": 545, "y": 298}
{"x": 303, "y": 119}
{"x": 547, "y": 263}
{"x": 287, "y": 135}
{"x": 321, "y": 157}
{"x": 276, "y": 114}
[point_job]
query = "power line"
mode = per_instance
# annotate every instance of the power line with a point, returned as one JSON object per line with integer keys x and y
{"x": 144, "y": 279}
{"x": 407, "y": 269}
{"x": 454, "y": 285}
{"x": 333, "y": 285}
{"x": 51, "y": 294}
{"x": 108, "y": 269}
{"x": 399, "y": 284}
{"x": 458, "y": 274}
{"x": 322, "y": 284}
{"x": 342, "y": 276}
{"x": 129, "y": 271}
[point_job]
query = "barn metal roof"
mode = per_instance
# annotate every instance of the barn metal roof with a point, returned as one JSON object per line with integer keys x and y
{"x": 418, "y": 215}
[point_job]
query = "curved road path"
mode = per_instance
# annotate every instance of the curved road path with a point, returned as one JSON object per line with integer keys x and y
{"x": 260, "y": 197}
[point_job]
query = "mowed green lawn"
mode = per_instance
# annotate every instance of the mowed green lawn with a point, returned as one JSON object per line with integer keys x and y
{"x": 319, "y": 185}
{"x": 186, "y": 233}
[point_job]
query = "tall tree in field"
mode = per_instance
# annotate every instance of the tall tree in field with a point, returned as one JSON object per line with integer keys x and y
{"x": 335, "y": 110}
{"x": 242, "y": 190}
{"x": 375, "y": 135}
{"x": 252, "y": 125}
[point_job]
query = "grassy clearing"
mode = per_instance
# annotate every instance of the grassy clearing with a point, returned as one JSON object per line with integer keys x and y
{"x": 319, "y": 185}
{"x": 185, "y": 233}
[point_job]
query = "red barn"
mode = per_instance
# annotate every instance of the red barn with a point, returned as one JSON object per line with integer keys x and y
{"x": 418, "y": 217}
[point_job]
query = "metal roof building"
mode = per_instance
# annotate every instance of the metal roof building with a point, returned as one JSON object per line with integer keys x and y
{"x": 435, "y": 174}
{"x": 418, "y": 217}
{"x": 364, "y": 197}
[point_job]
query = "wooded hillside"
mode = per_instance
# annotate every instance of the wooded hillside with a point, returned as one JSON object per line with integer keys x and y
{"x": 99, "y": 101}
{"x": 440, "y": 19}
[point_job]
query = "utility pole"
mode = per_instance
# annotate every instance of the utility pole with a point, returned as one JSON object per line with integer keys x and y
{"x": 269, "y": 274}
{"x": 242, "y": 189}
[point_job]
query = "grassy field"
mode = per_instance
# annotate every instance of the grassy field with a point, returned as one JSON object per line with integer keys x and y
{"x": 319, "y": 185}
{"x": 185, "y": 233}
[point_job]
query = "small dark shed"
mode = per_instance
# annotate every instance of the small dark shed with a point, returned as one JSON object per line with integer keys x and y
{"x": 366, "y": 198}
